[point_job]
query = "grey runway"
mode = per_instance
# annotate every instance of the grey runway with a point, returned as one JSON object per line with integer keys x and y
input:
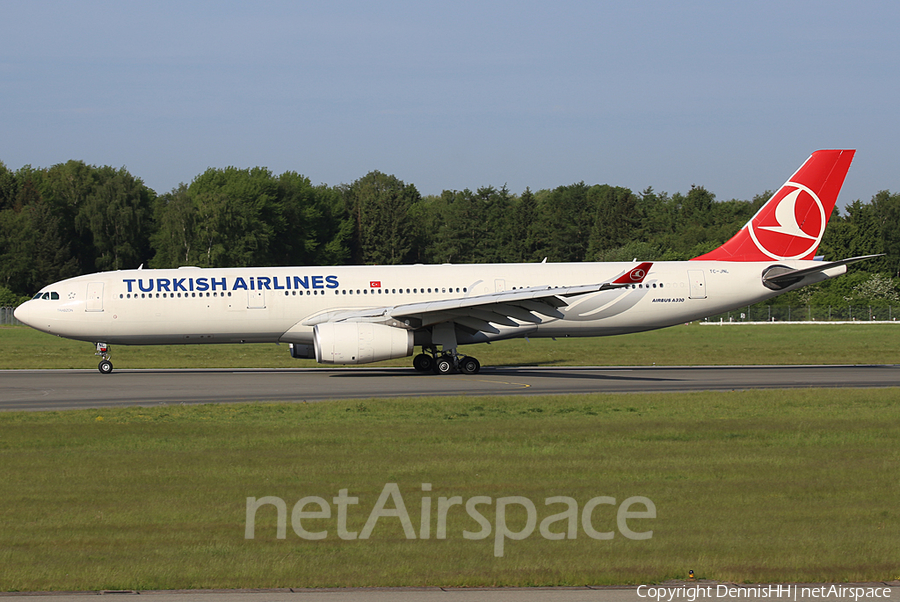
{"x": 72, "y": 389}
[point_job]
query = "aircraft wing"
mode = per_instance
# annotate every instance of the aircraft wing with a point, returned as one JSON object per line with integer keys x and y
{"x": 479, "y": 312}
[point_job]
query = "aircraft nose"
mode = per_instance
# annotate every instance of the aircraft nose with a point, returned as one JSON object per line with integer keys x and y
{"x": 26, "y": 314}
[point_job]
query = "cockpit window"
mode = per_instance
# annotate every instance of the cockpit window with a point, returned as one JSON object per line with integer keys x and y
{"x": 54, "y": 296}
{"x": 51, "y": 296}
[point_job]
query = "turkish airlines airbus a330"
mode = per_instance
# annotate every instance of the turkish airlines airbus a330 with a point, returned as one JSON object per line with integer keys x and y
{"x": 362, "y": 314}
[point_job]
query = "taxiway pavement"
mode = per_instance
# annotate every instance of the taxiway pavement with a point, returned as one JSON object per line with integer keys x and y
{"x": 72, "y": 389}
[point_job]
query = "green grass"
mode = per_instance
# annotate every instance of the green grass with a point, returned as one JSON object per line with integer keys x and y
{"x": 22, "y": 348}
{"x": 755, "y": 486}
{"x": 750, "y": 486}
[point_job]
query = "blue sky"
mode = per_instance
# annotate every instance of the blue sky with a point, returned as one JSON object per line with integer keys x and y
{"x": 453, "y": 95}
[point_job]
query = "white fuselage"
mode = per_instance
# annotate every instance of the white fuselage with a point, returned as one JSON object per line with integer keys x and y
{"x": 261, "y": 305}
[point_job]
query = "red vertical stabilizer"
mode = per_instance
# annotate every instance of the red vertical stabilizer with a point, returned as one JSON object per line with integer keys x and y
{"x": 791, "y": 224}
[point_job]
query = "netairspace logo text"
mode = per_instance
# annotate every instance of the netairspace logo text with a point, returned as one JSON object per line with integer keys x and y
{"x": 784, "y": 592}
{"x": 560, "y": 525}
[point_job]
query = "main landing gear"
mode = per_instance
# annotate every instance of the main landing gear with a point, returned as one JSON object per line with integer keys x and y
{"x": 105, "y": 366}
{"x": 431, "y": 360}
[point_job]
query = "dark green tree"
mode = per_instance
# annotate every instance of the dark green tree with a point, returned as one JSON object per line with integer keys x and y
{"x": 380, "y": 206}
{"x": 498, "y": 243}
{"x": 236, "y": 217}
{"x": 615, "y": 218}
{"x": 175, "y": 238}
{"x": 33, "y": 249}
{"x": 566, "y": 218}
{"x": 66, "y": 188}
{"x": 886, "y": 207}
{"x": 117, "y": 213}
{"x": 427, "y": 217}
{"x": 462, "y": 228}
{"x": 523, "y": 216}
{"x": 314, "y": 228}
{"x": 9, "y": 187}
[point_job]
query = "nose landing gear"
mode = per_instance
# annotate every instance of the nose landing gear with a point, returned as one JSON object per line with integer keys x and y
{"x": 105, "y": 366}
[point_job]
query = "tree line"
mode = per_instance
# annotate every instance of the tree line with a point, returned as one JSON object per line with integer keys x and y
{"x": 73, "y": 218}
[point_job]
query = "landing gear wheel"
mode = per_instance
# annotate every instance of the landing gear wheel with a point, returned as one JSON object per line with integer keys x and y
{"x": 469, "y": 365}
{"x": 443, "y": 365}
{"x": 105, "y": 367}
{"x": 423, "y": 363}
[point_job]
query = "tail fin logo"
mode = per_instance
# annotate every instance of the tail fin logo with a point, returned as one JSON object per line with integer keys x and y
{"x": 791, "y": 224}
{"x": 637, "y": 274}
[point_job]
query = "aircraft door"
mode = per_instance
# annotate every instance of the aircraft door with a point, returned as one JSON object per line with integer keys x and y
{"x": 94, "y": 297}
{"x": 256, "y": 300}
{"x": 697, "y": 280}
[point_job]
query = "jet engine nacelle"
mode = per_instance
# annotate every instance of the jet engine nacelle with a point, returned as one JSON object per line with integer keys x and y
{"x": 360, "y": 342}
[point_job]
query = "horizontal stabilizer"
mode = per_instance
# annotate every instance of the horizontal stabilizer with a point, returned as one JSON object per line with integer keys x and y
{"x": 777, "y": 277}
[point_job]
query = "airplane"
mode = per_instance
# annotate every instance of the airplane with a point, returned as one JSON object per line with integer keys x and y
{"x": 363, "y": 314}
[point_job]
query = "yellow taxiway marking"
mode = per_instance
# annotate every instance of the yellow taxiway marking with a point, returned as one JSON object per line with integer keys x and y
{"x": 503, "y": 382}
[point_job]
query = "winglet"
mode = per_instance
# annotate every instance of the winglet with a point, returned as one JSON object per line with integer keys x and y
{"x": 634, "y": 275}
